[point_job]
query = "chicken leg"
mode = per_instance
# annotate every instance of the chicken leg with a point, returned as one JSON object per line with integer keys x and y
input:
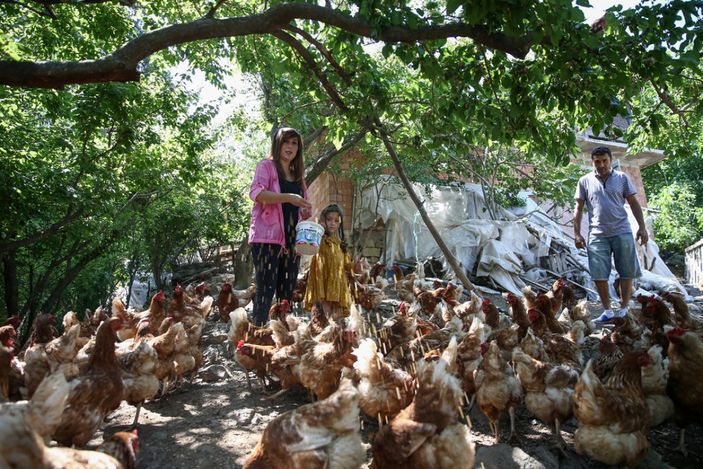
{"x": 561, "y": 444}
{"x": 513, "y": 437}
{"x": 682, "y": 443}
{"x": 136, "y": 416}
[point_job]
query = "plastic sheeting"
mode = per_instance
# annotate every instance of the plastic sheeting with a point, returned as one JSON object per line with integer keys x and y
{"x": 500, "y": 249}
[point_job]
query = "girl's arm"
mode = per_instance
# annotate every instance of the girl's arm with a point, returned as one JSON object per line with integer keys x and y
{"x": 270, "y": 197}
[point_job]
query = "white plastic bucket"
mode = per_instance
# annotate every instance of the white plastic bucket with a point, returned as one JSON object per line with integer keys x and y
{"x": 308, "y": 235}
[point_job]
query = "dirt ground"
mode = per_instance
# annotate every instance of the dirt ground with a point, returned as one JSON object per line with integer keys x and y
{"x": 216, "y": 421}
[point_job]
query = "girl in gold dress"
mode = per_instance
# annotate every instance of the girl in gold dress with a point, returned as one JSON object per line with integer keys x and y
{"x": 327, "y": 280}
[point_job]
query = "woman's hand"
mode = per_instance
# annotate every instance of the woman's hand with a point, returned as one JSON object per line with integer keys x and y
{"x": 579, "y": 242}
{"x": 298, "y": 201}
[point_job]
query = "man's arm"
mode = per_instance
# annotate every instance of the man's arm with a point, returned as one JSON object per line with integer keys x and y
{"x": 579, "y": 242}
{"x": 642, "y": 234}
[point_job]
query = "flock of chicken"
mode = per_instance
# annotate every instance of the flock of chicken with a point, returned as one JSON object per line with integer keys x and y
{"x": 414, "y": 373}
{"x": 71, "y": 383}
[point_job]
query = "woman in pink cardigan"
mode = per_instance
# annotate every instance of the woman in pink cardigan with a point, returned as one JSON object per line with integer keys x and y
{"x": 280, "y": 201}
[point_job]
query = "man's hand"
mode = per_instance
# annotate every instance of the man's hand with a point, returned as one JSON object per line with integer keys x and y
{"x": 579, "y": 242}
{"x": 643, "y": 236}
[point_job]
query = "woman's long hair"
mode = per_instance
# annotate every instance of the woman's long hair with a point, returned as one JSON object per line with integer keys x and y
{"x": 297, "y": 166}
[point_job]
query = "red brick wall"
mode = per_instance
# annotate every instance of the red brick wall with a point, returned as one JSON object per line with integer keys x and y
{"x": 636, "y": 177}
{"x": 332, "y": 188}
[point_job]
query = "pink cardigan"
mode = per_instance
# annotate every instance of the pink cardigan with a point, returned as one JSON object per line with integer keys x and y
{"x": 267, "y": 219}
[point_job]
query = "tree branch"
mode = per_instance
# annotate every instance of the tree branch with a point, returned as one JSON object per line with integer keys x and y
{"x": 321, "y": 163}
{"x": 13, "y": 245}
{"x": 122, "y": 64}
{"x": 451, "y": 260}
{"x": 323, "y": 50}
{"x": 312, "y": 65}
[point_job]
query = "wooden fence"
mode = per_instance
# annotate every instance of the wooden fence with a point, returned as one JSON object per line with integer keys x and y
{"x": 694, "y": 264}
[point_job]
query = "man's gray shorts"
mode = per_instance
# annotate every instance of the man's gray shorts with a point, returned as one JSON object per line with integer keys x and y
{"x": 622, "y": 248}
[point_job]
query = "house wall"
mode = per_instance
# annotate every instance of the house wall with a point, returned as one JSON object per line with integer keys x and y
{"x": 334, "y": 187}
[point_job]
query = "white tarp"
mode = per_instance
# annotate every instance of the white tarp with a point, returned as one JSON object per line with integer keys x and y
{"x": 501, "y": 249}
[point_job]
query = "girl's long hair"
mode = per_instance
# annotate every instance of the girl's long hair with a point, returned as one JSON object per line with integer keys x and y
{"x": 297, "y": 166}
{"x": 334, "y": 208}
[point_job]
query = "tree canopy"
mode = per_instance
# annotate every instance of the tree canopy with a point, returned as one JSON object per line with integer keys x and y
{"x": 105, "y": 151}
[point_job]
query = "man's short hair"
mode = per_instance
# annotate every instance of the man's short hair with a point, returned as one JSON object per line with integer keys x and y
{"x": 601, "y": 151}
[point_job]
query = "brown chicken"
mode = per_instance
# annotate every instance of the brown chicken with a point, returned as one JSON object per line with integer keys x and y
{"x": 428, "y": 433}
{"x": 95, "y": 393}
{"x": 155, "y": 314}
{"x": 6, "y": 356}
{"x": 656, "y": 314}
{"x": 138, "y": 360}
{"x": 8, "y": 334}
{"x": 398, "y": 329}
{"x": 556, "y": 296}
{"x": 497, "y": 389}
{"x": 384, "y": 391}
{"x": 544, "y": 304}
{"x": 26, "y": 425}
{"x": 558, "y": 348}
{"x": 320, "y": 365}
{"x": 685, "y": 386}
{"x": 612, "y": 416}
{"x": 609, "y": 356}
{"x": 118, "y": 451}
{"x": 43, "y": 331}
{"x": 226, "y": 301}
{"x": 654, "y": 381}
{"x": 41, "y": 359}
{"x": 256, "y": 358}
{"x": 241, "y": 332}
{"x": 518, "y": 314}
{"x": 318, "y": 319}
{"x": 367, "y": 296}
{"x": 548, "y": 390}
{"x": 320, "y": 435}
{"x": 183, "y": 308}
{"x": 429, "y": 300}
{"x": 681, "y": 312}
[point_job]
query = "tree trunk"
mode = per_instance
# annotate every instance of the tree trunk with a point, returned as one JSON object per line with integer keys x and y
{"x": 70, "y": 275}
{"x": 243, "y": 266}
{"x": 451, "y": 260}
{"x": 9, "y": 264}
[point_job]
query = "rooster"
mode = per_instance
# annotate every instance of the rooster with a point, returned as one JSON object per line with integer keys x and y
{"x": 613, "y": 415}
{"x": 684, "y": 386}
{"x": 321, "y": 434}
{"x": 428, "y": 433}
{"x": 95, "y": 393}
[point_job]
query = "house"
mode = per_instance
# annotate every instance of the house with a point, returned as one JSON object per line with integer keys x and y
{"x": 335, "y": 187}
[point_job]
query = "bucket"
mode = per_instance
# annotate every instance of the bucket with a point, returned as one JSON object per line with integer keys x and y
{"x": 308, "y": 235}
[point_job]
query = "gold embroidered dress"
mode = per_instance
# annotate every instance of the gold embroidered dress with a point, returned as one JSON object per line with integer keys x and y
{"x": 327, "y": 280}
